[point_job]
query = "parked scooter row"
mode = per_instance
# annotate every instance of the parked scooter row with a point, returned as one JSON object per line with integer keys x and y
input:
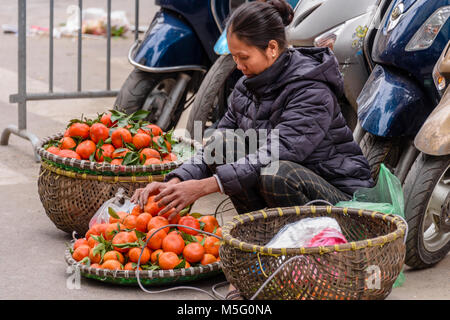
{"x": 386, "y": 50}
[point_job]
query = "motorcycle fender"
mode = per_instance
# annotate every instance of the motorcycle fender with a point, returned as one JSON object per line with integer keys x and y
{"x": 434, "y": 136}
{"x": 169, "y": 42}
{"x": 391, "y": 104}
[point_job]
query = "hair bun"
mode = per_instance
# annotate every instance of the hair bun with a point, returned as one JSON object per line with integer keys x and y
{"x": 284, "y": 9}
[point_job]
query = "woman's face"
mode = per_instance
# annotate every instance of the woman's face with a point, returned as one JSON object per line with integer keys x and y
{"x": 250, "y": 59}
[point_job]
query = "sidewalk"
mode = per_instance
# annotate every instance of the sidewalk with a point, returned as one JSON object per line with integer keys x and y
{"x": 32, "y": 262}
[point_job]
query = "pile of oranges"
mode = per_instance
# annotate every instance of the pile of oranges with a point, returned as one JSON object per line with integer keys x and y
{"x": 118, "y": 244}
{"x": 116, "y": 138}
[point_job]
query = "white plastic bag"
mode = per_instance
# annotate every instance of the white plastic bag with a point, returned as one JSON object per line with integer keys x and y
{"x": 299, "y": 234}
{"x": 119, "y": 203}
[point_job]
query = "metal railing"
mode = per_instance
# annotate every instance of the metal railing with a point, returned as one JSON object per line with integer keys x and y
{"x": 23, "y": 96}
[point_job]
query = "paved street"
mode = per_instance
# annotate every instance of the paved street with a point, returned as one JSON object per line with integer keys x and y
{"x": 32, "y": 250}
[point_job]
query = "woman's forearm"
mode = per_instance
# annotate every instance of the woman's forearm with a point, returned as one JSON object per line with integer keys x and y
{"x": 209, "y": 185}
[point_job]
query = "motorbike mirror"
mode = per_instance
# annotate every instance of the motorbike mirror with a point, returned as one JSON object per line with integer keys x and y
{"x": 221, "y": 47}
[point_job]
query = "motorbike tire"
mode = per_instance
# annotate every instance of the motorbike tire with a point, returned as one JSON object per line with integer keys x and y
{"x": 135, "y": 91}
{"x": 380, "y": 150}
{"x": 418, "y": 189}
{"x": 210, "y": 88}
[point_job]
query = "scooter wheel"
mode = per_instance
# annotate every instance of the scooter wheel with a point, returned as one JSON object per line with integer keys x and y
{"x": 135, "y": 91}
{"x": 427, "y": 211}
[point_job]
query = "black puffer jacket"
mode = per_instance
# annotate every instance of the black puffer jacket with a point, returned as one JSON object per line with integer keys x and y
{"x": 297, "y": 96}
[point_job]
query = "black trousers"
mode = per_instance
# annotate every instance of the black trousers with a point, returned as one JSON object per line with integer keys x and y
{"x": 291, "y": 185}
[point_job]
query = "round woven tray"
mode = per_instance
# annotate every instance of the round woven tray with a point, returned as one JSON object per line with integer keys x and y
{"x": 364, "y": 268}
{"x": 71, "y": 190}
{"x": 146, "y": 277}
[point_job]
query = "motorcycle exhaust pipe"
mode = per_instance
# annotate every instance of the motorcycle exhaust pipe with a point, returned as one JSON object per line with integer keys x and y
{"x": 173, "y": 100}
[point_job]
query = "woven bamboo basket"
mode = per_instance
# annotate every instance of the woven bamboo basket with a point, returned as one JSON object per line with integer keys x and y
{"x": 364, "y": 268}
{"x": 146, "y": 277}
{"x": 71, "y": 190}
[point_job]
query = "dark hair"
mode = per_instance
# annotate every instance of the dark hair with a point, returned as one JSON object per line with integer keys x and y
{"x": 256, "y": 23}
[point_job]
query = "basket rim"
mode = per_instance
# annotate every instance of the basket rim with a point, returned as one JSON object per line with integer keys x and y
{"x": 299, "y": 210}
{"x": 143, "y": 274}
{"x": 107, "y": 167}
{"x": 102, "y": 178}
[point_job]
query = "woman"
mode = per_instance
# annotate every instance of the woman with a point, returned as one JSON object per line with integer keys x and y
{"x": 290, "y": 91}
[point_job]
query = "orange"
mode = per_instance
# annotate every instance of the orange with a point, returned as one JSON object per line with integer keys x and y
{"x": 157, "y": 142}
{"x": 168, "y": 260}
{"x": 67, "y": 143}
{"x": 207, "y": 259}
{"x": 79, "y": 130}
{"x": 187, "y": 264}
{"x": 80, "y": 242}
{"x": 152, "y": 161}
{"x": 111, "y": 228}
{"x": 193, "y": 252}
{"x": 81, "y": 252}
{"x": 170, "y": 157}
{"x": 151, "y": 129}
{"x": 100, "y": 228}
{"x": 99, "y": 132}
{"x": 155, "y": 241}
{"x": 117, "y": 162}
{"x": 158, "y": 222}
{"x": 106, "y": 120}
{"x": 121, "y": 238}
{"x": 210, "y": 223}
{"x": 54, "y": 150}
{"x": 129, "y": 266}
{"x": 141, "y": 140}
{"x": 218, "y": 232}
{"x": 136, "y": 211}
{"x": 94, "y": 258}
{"x": 154, "y": 256}
{"x": 69, "y": 154}
{"x": 130, "y": 221}
{"x": 152, "y": 207}
{"x": 120, "y": 154}
{"x": 85, "y": 149}
{"x": 132, "y": 237}
{"x": 118, "y": 135}
{"x": 122, "y": 215}
{"x": 212, "y": 245}
{"x": 175, "y": 219}
{"x": 112, "y": 265}
{"x": 199, "y": 237}
{"x": 134, "y": 253}
{"x": 96, "y": 265}
{"x": 149, "y": 153}
{"x": 189, "y": 221}
{"x": 173, "y": 243}
{"x": 114, "y": 255}
{"x": 142, "y": 221}
{"x": 66, "y": 133}
{"x": 92, "y": 242}
{"x": 107, "y": 151}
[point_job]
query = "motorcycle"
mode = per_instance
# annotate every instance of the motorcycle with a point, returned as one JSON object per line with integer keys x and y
{"x": 427, "y": 184}
{"x": 315, "y": 23}
{"x": 397, "y": 98}
{"x": 172, "y": 58}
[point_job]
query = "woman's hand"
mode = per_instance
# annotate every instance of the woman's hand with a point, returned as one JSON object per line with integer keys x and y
{"x": 141, "y": 195}
{"x": 178, "y": 196}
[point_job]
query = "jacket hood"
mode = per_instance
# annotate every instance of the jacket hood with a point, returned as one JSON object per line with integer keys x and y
{"x": 294, "y": 64}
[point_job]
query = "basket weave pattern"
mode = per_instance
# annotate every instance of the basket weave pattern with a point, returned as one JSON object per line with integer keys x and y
{"x": 364, "y": 268}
